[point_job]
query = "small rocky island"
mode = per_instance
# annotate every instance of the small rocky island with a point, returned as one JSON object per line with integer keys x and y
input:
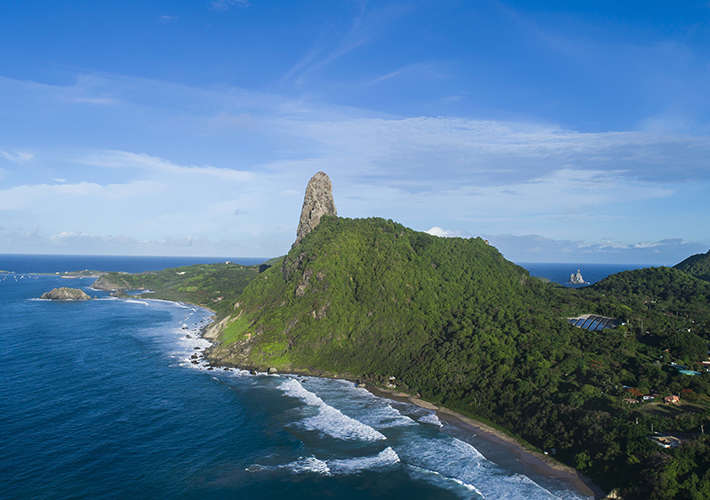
{"x": 576, "y": 279}
{"x": 65, "y": 293}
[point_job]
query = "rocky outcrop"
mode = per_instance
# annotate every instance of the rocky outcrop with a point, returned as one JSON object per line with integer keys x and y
{"x": 576, "y": 279}
{"x": 317, "y": 203}
{"x": 65, "y": 293}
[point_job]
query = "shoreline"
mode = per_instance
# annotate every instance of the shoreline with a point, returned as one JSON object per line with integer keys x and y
{"x": 530, "y": 461}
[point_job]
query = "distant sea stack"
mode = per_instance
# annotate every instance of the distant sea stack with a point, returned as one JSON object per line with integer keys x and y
{"x": 65, "y": 293}
{"x": 576, "y": 279}
{"x": 317, "y": 203}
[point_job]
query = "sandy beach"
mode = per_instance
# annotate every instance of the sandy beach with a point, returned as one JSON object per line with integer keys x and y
{"x": 530, "y": 461}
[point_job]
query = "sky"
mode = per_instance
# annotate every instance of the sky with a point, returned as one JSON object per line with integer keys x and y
{"x": 560, "y": 131}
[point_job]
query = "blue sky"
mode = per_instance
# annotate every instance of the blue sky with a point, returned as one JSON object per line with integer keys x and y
{"x": 560, "y": 131}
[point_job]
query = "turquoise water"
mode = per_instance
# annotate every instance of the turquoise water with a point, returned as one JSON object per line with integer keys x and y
{"x": 101, "y": 400}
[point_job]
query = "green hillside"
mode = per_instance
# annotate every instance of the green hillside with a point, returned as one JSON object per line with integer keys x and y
{"x": 696, "y": 265}
{"x": 452, "y": 320}
{"x": 210, "y": 285}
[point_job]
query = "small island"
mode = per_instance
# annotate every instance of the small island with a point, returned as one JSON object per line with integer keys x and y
{"x": 65, "y": 294}
{"x": 577, "y": 279}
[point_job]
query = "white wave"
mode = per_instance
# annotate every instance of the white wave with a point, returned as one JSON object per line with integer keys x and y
{"x": 383, "y": 459}
{"x": 462, "y": 463}
{"x": 386, "y": 457}
{"x": 136, "y": 302}
{"x": 329, "y": 420}
{"x": 431, "y": 418}
{"x": 442, "y": 481}
{"x": 310, "y": 464}
{"x": 369, "y": 409}
{"x": 383, "y": 416}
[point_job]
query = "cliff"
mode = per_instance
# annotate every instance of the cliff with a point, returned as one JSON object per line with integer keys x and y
{"x": 317, "y": 202}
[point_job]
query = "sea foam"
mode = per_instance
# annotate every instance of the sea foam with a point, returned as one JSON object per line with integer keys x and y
{"x": 431, "y": 418}
{"x": 385, "y": 458}
{"x": 340, "y": 467}
{"x": 329, "y": 420}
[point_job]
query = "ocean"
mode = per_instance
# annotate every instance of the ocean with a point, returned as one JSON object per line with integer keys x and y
{"x": 102, "y": 400}
{"x": 560, "y": 273}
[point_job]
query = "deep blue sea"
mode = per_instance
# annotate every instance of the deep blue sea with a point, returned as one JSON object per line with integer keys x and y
{"x": 560, "y": 273}
{"x": 101, "y": 400}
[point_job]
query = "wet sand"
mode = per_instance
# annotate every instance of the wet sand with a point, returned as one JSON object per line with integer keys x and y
{"x": 530, "y": 462}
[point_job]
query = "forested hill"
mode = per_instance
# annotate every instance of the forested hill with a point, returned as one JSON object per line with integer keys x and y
{"x": 371, "y": 297}
{"x": 696, "y": 265}
{"x": 452, "y": 320}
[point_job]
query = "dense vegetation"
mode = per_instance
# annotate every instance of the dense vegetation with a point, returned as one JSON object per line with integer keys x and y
{"x": 696, "y": 265}
{"x": 451, "y": 319}
{"x": 211, "y": 285}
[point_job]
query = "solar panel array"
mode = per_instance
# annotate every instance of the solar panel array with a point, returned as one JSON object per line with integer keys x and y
{"x": 594, "y": 323}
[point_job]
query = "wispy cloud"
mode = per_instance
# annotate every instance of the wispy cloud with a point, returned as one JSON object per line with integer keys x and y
{"x": 222, "y": 5}
{"x": 39, "y": 195}
{"x": 365, "y": 27}
{"x": 122, "y": 159}
{"x": 535, "y": 248}
{"x": 467, "y": 176}
{"x": 17, "y": 156}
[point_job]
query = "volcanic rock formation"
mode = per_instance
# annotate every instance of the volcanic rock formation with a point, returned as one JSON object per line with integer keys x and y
{"x": 317, "y": 203}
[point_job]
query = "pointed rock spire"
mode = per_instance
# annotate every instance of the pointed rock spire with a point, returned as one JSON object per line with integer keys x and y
{"x": 317, "y": 203}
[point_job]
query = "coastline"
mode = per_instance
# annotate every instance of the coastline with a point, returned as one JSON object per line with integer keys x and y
{"x": 530, "y": 461}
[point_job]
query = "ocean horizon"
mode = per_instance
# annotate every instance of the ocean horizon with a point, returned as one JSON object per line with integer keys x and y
{"x": 111, "y": 399}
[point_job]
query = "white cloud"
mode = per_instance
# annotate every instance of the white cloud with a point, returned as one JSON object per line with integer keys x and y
{"x": 17, "y": 156}
{"x": 444, "y": 149}
{"x": 535, "y": 248}
{"x": 48, "y": 196}
{"x": 477, "y": 176}
{"x": 446, "y": 233}
{"x": 121, "y": 159}
{"x": 78, "y": 239}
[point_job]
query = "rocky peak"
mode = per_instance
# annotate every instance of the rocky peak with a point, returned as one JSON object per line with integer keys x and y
{"x": 317, "y": 203}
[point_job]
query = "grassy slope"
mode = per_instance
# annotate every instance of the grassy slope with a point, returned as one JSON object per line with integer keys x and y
{"x": 696, "y": 265}
{"x": 201, "y": 284}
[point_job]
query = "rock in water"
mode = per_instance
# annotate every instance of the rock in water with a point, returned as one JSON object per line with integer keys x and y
{"x": 576, "y": 279}
{"x": 65, "y": 293}
{"x": 317, "y": 203}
